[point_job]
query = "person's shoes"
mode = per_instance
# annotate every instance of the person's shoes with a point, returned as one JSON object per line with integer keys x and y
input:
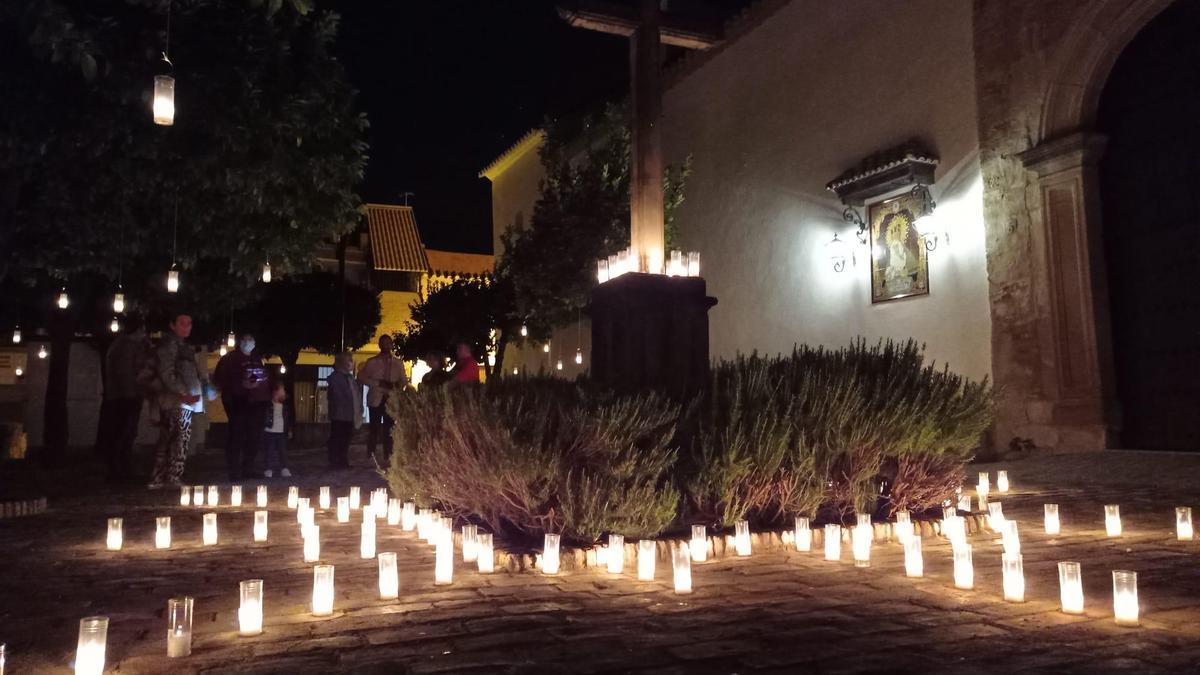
{"x": 156, "y": 486}
{"x": 284, "y": 473}
{"x": 270, "y": 474}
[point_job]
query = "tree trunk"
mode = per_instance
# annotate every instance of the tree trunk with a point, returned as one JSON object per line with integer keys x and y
{"x": 501, "y": 343}
{"x": 55, "y": 436}
{"x": 289, "y": 379}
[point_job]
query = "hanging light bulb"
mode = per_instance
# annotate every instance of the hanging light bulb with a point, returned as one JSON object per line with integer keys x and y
{"x": 42, "y": 353}
{"x": 173, "y": 280}
{"x": 222, "y": 351}
{"x": 558, "y": 366}
{"x": 63, "y": 301}
{"x": 164, "y": 100}
{"x": 546, "y": 348}
{"x": 231, "y": 340}
{"x": 16, "y": 335}
{"x": 18, "y": 371}
{"x": 115, "y": 325}
{"x": 266, "y": 274}
{"x": 578, "y": 356}
{"x": 524, "y": 330}
{"x": 282, "y": 369}
{"x": 119, "y": 302}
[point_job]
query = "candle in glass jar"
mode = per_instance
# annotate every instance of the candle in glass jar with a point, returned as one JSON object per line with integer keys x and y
{"x": 741, "y": 537}
{"x": 904, "y": 527}
{"x": 393, "y": 511}
{"x": 389, "y": 576}
{"x": 179, "y": 627}
{"x": 210, "y": 529}
{"x": 1014, "y": 577}
{"x": 833, "y": 542}
{"x": 213, "y": 495}
{"x": 366, "y": 546}
{"x": 1002, "y": 482}
{"x": 485, "y": 556}
{"x": 699, "y": 545}
{"x": 250, "y": 611}
{"x": 615, "y": 559}
{"x": 293, "y": 497}
{"x": 89, "y": 651}
{"x": 1112, "y": 520}
{"x": 262, "y": 497}
{"x": 964, "y": 568}
{"x": 235, "y": 495}
{"x": 323, "y": 497}
{"x": 197, "y": 495}
{"x": 1183, "y": 523}
{"x": 116, "y": 535}
{"x": 647, "y": 551}
{"x": 1053, "y": 525}
{"x": 914, "y": 563}
{"x": 860, "y": 541}
{"x": 162, "y": 532}
{"x": 185, "y": 495}
{"x": 312, "y": 542}
{"x": 1010, "y": 539}
{"x": 983, "y": 486}
{"x": 802, "y": 532}
{"x": 964, "y": 503}
{"x": 550, "y": 553}
{"x": 322, "y": 597}
{"x": 408, "y": 516}
{"x": 1125, "y": 598}
{"x": 443, "y": 564}
{"x": 260, "y": 526}
{"x": 355, "y": 498}
{"x": 301, "y": 508}
{"x": 470, "y": 539}
{"x": 1070, "y": 587}
{"x": 681, "y": 563}
{"x": 343, "y": 509}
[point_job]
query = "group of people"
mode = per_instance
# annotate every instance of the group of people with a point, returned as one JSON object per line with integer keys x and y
{"x": 169, "y": 377}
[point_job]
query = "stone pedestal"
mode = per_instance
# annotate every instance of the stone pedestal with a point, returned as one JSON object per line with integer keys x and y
{"x": 651, "y": 331}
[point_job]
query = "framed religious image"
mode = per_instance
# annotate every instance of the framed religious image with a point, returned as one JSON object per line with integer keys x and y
{"x": 899, "y": 266}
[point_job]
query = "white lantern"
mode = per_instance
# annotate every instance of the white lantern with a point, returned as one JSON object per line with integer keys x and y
{"x": 323, "y": 498}
{"x": 235, "y": 495}
{"x": 860, "y": 540}
{"x": 266, "y": 273}
{"x": 312, "y": 542}
{"x": 262, "y": 497}
{"x": 172, "y": 280}
{"x": 355, "y": 498}
{"x": 741, "y": 538}
{"x": 578, "y": 356}
{"x": 616, "y": 553}
{"x": 408, "y": 516}
{"x": 838, "y": 251}
{"x": 260, "y": 526}
{"x": 964, "y": 569}
{"x": 301, "y": 509}
{"x": 118, "y": 302}
{"x": 559, "y": 365}
{"x": 164, "y": 100}
{"x": 16, "y": 336}
{"x": 833, "y": 542}
{"x": 550, "y": 554}
{"x": 250, "y": 611}
{"x": 293, "y": 497}
{"x": 964, "y": 503}
{"x": 546, "y": 348}
{"x": 1112, "y": 520}
{"x": 62, "y": 300}
{"x": 443, "y": 564}
{"x": 222, "y": 351}
{"x": 1014, "y": 577}
{"x": 42, "y": 353}
{"x": 116, "y": 535}
{"x": 524, "y": 331}
{"x": 681, "y": 563}
{"x": 1002, "y": 482}
{"x": 904, "y": 527}
{"x": 366, "y": 547}
{"x": 803, "y": 534}
{"x": 647, "y": 551}
{"x": 213, "y": 495}
{"x": 231, "y": 340}
{"x": 389, "y": 576}
{"x": 343, "y": 509}
{"x": 699, "y": 543}
{"x": 89, "y": 651}
{"x": 693, "y": 263}
{"x": 984, "y": 485}
{"x": 470, "y": 542}
{"x": 1125, "y": 598}
{"x": 210, "y": 529}
{"x": 393, "y": 511}
{"x": 322, "y": 598}
{"x": 185, "y": 495}
{"x": 1183, "y": 523}
{"x": 1053, "y": 526}
{"x": 198, "y": 495}
{"x": 162, "y": 532}
{"x": 995, "y": 516}
{"x": 1070, "y": 587}
{"x": 914, "y": 563}
{"x": 485, "y": 556}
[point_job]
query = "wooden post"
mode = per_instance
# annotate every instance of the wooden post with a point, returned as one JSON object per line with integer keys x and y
{"x": 647, "y": 237}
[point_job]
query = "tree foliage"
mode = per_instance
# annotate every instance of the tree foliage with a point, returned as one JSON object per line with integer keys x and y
{"x": 306, "y": 311}
{"x": 467, "y": 310}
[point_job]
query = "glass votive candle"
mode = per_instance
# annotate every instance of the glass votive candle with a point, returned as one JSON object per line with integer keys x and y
{"x": 179, "y": 627}
{"x": 1014, "y": 577}
{"x": 699, "y": 544}
{"x": 260, "y": 526}
{"x": 1053, "y": 525}
{"x": 197, "y": 495}
{"x": 389, "y": 576}
{"x": 904, "y": 528}
{"x": 485, "y": 556}
{"x": 210, "y": 529}
{"x": 470, "y": 542}
{"x": 116, "y": 537}
{"x": 162, "y": 532}
{"x": 293, "y": 497}
{"x": 615, "y": 559}
{"x": 323, "y": 497}
{"x": 984, "y": 485}
{"x": 250, "y": 611}
{"x": 1002, "y": 482}
{"x": 833, "y": 542}
{"x": 380, "y": 503}
{"x": 860, "y": 541}
{"x": 914, "y": 563}
{"x": 235, "y": 495}
{"x": 681, "y": 565}
{"x": 1070, "y": 587}
{"x": 995, "y": 516}
{"x": 343, "y": 509}
{"x": 355, "y": 498}
{"x": 301, "y": 508}
{"x": 964, "y": 568}
{"x": 647, "y": 551}
{"x": 1125, "y": 598}
{"x": 802, "y": 531}
{"x": 93, "y": 639}
{"x": 443, "y": 562}
{"x": 1112, "y": 520}
{"x": 366, "y": 546}
{"x": 408, "y": 516}
{"x": 741, "y": 537}
{"x": 1010, "y": 539}
{"x": 185, "y": 495}
{"x": 549, "y": 553}
{"x": 393, "y": 511}
{"x": 422, "y": 523}
{"x": 213, "y": 495}
{"x": 312, "y": 542}
{"x": 261, "y": 497}
{"x": 1183, "y": 523}
{"x": 322, "y": 597}
{"x": 964, "y": 503}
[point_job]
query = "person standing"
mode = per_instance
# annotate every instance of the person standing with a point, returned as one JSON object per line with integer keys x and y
{"x": 122, "y": 405}
{"x": 246, "y": 395}
{"x": 466, "y": 368}
{"x": 178, "y": 385}
{"x": 382, "y": 374}
{"x": 345, "y": 410}
{"x": 279, "y": 428}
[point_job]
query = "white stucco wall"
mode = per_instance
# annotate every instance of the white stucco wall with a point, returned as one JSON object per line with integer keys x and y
{"x": 782, "y": 111}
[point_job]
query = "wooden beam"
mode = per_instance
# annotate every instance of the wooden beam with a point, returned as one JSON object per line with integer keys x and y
{"x": 603, "y": 17}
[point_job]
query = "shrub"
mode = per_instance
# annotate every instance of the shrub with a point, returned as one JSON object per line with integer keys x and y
{"x": 529, "y": 456}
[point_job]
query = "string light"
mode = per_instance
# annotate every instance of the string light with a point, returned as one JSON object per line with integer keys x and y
{"x": 266, "y": 273}
{"x": 119, "y": 301}
{"x": 42, "y": 353}
{"x": 16, "y": 338}
{"x": 63, "y": 301}
{"x": 115, "y": 325}
{"x": 524, "y": 331}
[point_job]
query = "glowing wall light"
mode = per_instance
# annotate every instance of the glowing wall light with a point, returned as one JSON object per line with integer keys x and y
{"x": 914, "y": 563}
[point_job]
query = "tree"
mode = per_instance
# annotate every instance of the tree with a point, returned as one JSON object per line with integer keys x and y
{"x": 471, "y": 311}
{"x": 259, "y": 166}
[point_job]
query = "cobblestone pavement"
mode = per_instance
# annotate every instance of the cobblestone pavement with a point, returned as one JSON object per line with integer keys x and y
{"x": 782, "y": 612}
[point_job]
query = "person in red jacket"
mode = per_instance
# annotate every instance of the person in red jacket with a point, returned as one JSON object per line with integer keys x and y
{"x": 466, "y": 368}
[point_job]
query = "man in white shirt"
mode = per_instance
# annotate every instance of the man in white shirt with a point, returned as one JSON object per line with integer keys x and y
{"x": 381, "y": 374}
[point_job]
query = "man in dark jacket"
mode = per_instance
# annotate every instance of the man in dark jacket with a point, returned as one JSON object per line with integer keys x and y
{"x": 122, "y": 404}
{"x": 245, "y": 393}
{"x": 178, "y": 387}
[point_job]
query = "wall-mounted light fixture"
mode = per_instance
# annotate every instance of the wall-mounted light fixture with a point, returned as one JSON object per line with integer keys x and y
{"x": 925, "y": 223}
{"x": 838, "y": 250}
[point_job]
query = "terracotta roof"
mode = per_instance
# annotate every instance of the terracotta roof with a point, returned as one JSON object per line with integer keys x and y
{"x": 395, "y": 242}
{"x": 451, "y": 262}
{"x": 911, "y": 152}
{"x": 529, "y": 141}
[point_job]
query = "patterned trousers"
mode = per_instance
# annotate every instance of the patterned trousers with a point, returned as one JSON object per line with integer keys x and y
{"x": 170, "y": 453}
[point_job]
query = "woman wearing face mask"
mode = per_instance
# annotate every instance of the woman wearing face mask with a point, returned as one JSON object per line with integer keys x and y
{"x": 245, "y": 393}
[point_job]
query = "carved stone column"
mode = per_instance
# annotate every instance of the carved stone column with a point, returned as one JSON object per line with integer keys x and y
{"x": 1074, "y": 334}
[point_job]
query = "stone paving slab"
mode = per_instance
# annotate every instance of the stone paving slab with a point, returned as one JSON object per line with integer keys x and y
{"x": 781, "y": 611}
